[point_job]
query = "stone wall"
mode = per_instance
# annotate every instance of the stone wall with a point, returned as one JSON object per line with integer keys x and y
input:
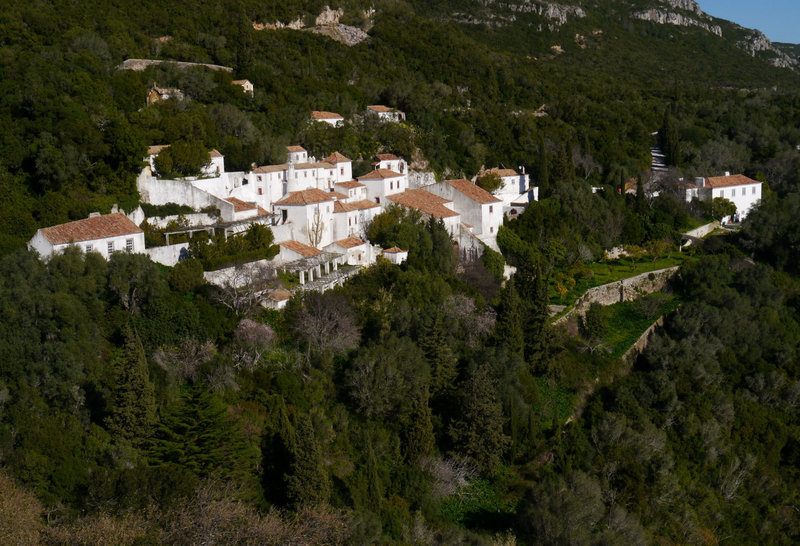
{"x": 624, "y": 290}
{"x": 637, "y": 348}
{"x": 160, "y": 192}
{"x": 419, "y": 179}
{"x": 702, "y": 231}
{"x": 198, "y": 219}
{"x": 168, "y": 255}
{"x": 138, "y": 65}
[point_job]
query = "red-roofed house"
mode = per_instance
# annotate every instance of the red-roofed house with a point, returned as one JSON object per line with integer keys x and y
{"x": 355, "y": 190}
{"x": 105, "y": 234}
{"x": 351, "y": 219}
{"x": 331, "y": 118}
{"x": 395, "y": 255}
{"x": 390, "y": 162}
{"x": 477, "y": 207}
{"x": 742, "y": 191}
{"x": 311, "y": 211}
{"x": 430, "y": 205}
{"x": 246, "y": 85}
{"x": 386, "y": 113}
{"x": 355, "y": 251}
{"x": 515, "y": 188}
{"x": 344, "y": 167}
{"x": 242, "y": 209}
{"x": 296, "y": 154}
{"x": 381, "y": 183}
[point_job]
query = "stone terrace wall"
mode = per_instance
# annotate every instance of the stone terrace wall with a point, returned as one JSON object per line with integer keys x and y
{"x": 637, "y": 348}
{"x": 138, "y": 65}
{"x": 624, "y": 290}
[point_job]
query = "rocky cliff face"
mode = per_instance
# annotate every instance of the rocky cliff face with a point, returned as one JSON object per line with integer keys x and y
{"x": 690, "y": 15}
{"x": 502, "y": 13}
{"x": 756, "y": 41}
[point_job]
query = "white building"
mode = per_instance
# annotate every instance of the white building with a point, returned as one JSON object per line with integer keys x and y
{"x": 343, "y": 166}
{"x": 391, "y": 162}
{"x": 351, "y": 219}
{"x": 381, "y": 183}
{"x": 355, "y": 190}
{"x": 246, "y": 85}
{"x": 514, "y": 190}
{"x": 104, "y": 234}
{"x": 386, "y": 113}
{"x": 395, "y": 255}
{"x": 215, "y": 166}
{"x": 431, "y": 206}
{"x": 478, "y": 208}
{"x": 742, "y": 191}
{"x": 311, "y": 211}
{"x": 331, "y": 118}
{"x": 296, "y": 154}
{"x": 354, "y": 250}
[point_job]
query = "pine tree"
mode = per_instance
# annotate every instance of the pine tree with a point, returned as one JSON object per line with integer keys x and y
{"x": 419, "y": 438}
{"x": 668, "y": 135}
{"x": 443, "y": 362}
{"x": 133, "y": 407}
{"x": 509, "y": 331}
{"x": 543, "y": 169}
{"x": 308, "y": 481}
{"x": 478, "y": 432}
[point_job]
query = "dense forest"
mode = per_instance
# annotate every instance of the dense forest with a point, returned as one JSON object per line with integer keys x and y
{"x": 431, "y": 402}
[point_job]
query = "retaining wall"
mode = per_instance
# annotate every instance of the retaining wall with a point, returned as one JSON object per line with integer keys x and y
{"x": 168, "y": 255}
{"x": 623, "y": 290}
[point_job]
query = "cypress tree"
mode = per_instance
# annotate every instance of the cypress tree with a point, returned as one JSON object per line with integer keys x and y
{"x": 478, "y": 432}
{"x": 419, "y": 438}
{"x": 133, "y": 406}
{"x": 308, "y": 481}
{"x": 443, "y": 362}
{"x": 509, "y": 331}
{"x": 668, "y": 135}
{"x": 277, "y": 447}
{"x": 543, "y": 169}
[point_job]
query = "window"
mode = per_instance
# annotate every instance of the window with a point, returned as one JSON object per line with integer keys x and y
{"x": 391, "y": 185}
{"x": 733, "y": 192}
{"x": 341, "y": 171}
{"x": 89, "y": 248}
{"x": 110, "y": 247}
{"x": 259, "y": 178}
{"x": 491, "y": 209}
{"x": 378, "y": 200}
{"x": 129, "y": 245}
{"x": 722, "y": 193}
{"x": 754, "y": 190}
{"x": 259, "y": 191}
{"x": 349, "y": 221}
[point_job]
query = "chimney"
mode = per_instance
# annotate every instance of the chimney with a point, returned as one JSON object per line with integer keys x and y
{"x": 94, "y": 214}
{"x": 700, "y": 182}
{"x": 727, "y": 173}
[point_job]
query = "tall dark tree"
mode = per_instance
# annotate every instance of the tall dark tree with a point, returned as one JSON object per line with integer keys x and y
{"x": 308, "y": 482}
{"x": 418, "y": 434}
{"x": 133, "y": 407}
{"x": 668, "y": 136}
{"x": 443, "y": 362}
{"x": 543, "y": 169}
{"x": 478, "y": 431}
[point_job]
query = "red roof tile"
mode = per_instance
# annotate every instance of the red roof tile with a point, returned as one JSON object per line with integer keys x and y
{"x": 300, "y": 248}
{"x": 156, "y": 149}
{"x": 378, "y": 174}
{"x": 91, "y": 229}
{"x": 317, "y": 114}
{"x": 306, "y": 197}
{"x": 295, "y": 149}
{"x": 351, "y": 184}
{"x": 278, "y": 294}
{"x": 381, "y": 108}
{"x": 350, "y": 242}
{"x": 386, "y": 157}
{"x": 336, "y": 157}
{"x": 270, "y": 168}
{"x": 732, "y": 180}
{"x": 473, "y": 191}
{"x": 214, "y": 153}
{"x": 341, "y": 206}
{"x": 424, "y": 201}
{"x": 503, "y": 172}
{"x": 239, "y": 205}
{"x": 364, "y": 204}
{"x": 394, "y": 250}
{"x": 339, "y": 195}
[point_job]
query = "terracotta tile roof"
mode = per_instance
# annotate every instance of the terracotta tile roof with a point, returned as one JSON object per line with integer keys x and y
{"x": 214, "y": 153}
{"x": 318, "y": 165}
{"x": 306, "y": 197}
{"x": 339, "y": 195}
{"x": 270, "y": 168}
{"x": 351, "y": 184}
{"x": 364, "y": 204}
{"x": 503, "y": 172}
{"x": 424, "y": 201}
{"x": 386, "y": 157}
{"x": 240, "y": 82}
{"x": 381, "y": 108}
{"x": 279, "y": 294}
{"x": 91, "y": 229}
{"x": 732, "y": 180}
{"x": 341, "y": 206}
{"x": 317, "y": 114}
{"x": 473, "y": 191}
{"x": 295, "y": 149}
{"x": 394, "y": 250}
{"x": 155, "y": 150}
{"x": 380, "y": 174}
{"x": 350, "y": 242}
{"x": 263, "y": 212}
{"x": 304, "y": 250}
{"x": 336, "y": 157}
{"x": 239, "y": 205}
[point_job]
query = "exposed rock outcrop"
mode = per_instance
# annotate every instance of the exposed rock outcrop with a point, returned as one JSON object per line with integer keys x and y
{"x": 756, "y": 41}
{"x": 671, "y": 18}
{"x": 327, "y": 23}
{"x": 558, "y": 14}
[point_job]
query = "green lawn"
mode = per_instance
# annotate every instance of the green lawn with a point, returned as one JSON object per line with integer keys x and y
{"x": 578, "y": 279}
{"x": 627, "y": 320}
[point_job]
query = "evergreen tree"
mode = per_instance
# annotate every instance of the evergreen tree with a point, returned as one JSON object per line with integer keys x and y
{"x": 133, "y": 406}
{"x": 478, "y": 431}
{"x": 443, "y": 362}
{"x": 533, "y": 290}
{"x": 543, "y": 169}
{"x": 563, "y": 167}
{"x": 277, "y": 447}
{"x": 308, "y": 481}
{"x": 419, "y": 438}
{"x": 509, "y": 331}
{"x": 668, "y": 135}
